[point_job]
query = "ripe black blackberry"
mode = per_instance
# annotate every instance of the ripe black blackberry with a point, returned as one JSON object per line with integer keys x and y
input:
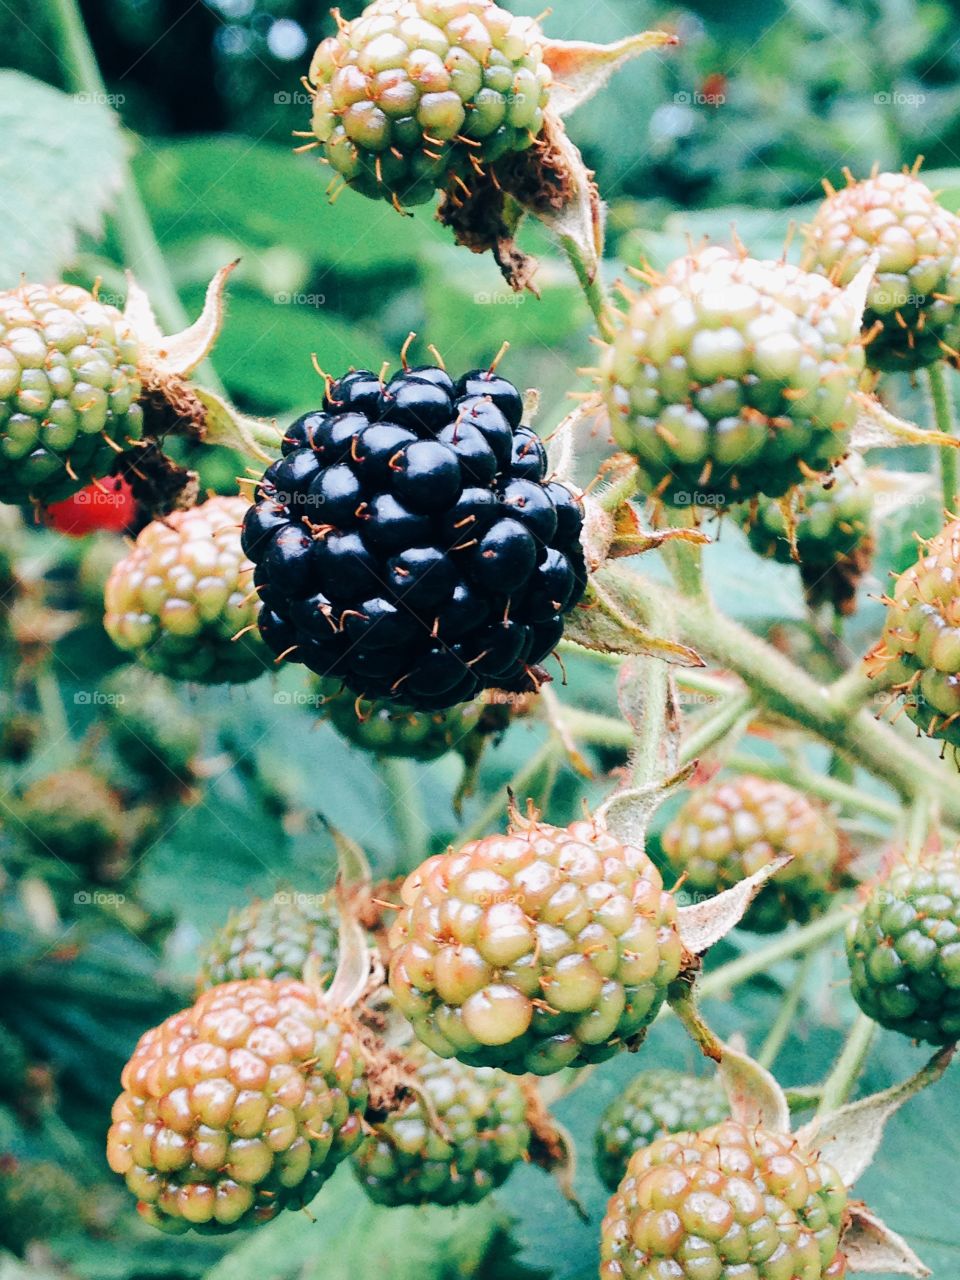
{"x": 409, "y": 544}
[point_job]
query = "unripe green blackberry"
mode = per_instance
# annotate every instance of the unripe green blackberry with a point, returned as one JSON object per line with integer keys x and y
{"x": 38, "y": 1199}
{"x": 913, "y": 304}
{"x": 920, "y": 650}
{"x": 826, "y": 529}
{"x": 184, "y": 591}
{"x": 726, "y": 1203}
{"x": 73, "y": 815}
{"x": 734, "y": 827}
{"x": 238, "y": 1107}
{"x": 149, "y": 728}
{"x": 477, "y": 1134}
{"x": 653, "y": 1105}
{"x": 732, "y": 377}
{"x": 69, "y": 390}
{"x": 385, "y": 729}
{"x": 904, "y": 951}
{"x": 539, "y": 949}
{"x": 273, "y": 939}
{"x": 414, "y": 91}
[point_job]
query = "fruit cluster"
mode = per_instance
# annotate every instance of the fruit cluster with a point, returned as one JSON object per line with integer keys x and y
{"x": 904, "y": 951}
{"x": 454, "y": 1146}
{"x": 408, "y": 544}
{"x": 273, "y": 939}
{"x": 653, "y": 1105}
{"x": 920, "y": 650}
{"x": 732, "y": 377}
{"x": 238, "y": 1107}
{"x": 69, "y": 390}
{"x": 734, "y": 827}
{"x": 540, "y": 949}
{"x": 728, "y": 1201}
{"x": 825, "y": 528}
{"x": 912, "y": 316}
{"x": 182, "y": 597}
{"x": 414, "y": 91}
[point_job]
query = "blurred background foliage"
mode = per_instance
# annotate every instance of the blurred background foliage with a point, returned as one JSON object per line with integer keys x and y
{"x": 738, "y": 125}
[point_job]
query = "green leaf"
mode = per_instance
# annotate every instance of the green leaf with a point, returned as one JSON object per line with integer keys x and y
{"x": 353, "y": 1239}
{"x": 60, "y": 167}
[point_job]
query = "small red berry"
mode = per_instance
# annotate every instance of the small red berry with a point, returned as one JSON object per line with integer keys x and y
{"x": 106, "y": 506}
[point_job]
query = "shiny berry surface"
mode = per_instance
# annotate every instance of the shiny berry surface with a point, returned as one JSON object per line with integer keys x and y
{"x": 532, "y": 951}
{"x": 238, "y": 1107}
{"x": 904, "y": 951}
{"x": 728, "y": 1203}
{"x": 183, "y": 592}
{"x": 411, "y": 547}
{"x": 735, "y": 827}
{"x": 732, "y": 377}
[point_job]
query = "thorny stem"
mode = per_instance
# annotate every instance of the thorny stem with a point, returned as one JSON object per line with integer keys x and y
{"x": 941, "y": 398}
{"x": 844, "y": 1076}
{"x": 405, "y": 807}
{"x": 790, "y": 692}
{"x": 783, "y": 1024}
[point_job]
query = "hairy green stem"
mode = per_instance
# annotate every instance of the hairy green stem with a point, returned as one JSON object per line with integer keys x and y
{"x": 716, "y": 725}
{"x": 783, "y": 1023}
{"x": 646, "y": 760}
{"x": 826, "y": 787}
{"x": 591, "y": 283}
{"x": 520, "y": 784}
{"x": 917, "y": 827}
{"x": 684, "y": 559}
{"x": 844, "y": 1076}
{"x": 405, "y": 810}
{"x": 794, "y": 942}
{"x": 786, "y": 690}
{"x": 941, "y": 399}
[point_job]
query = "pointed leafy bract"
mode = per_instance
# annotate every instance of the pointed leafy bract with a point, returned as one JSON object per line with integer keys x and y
{"x": 705, "y": 923}
{"x": 627, "y": 813}
{"x": 225, "y": 425}
{"x": 581, "y": 68}
{"x": 754, "y": 1095}
{"x": 849, "y": 1138}
{"x": 600, "y": 623}
{"x": 179, "y": 354}
{"x": 871, "y": 1247}
{"x": 876, "y": 427}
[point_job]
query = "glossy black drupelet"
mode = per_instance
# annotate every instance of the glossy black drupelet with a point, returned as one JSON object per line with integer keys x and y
{"x": 408, "y": 544}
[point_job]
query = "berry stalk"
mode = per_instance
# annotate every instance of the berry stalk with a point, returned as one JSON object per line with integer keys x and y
{"x": 941, "y": 400}
{"x": 842, "y": 1079}
{"x": 788, "y": 691}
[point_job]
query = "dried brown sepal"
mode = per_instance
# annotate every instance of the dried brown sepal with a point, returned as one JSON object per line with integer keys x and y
{"x": 159, "y": 484}
{"x": 872, "y": 1248}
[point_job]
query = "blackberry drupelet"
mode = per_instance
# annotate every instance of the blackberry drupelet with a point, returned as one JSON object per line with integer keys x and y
{"x": 476, "y": 1136}
{"x": 904, "y": 951}
{"x": 273, "y": 939}
{"x": 653, "y": 1105}
{"x": 540, "y": 949}
{"x": 408, "y": 544}
{"x": 238, "y": 1107}
{"x": 414, "y": 91}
